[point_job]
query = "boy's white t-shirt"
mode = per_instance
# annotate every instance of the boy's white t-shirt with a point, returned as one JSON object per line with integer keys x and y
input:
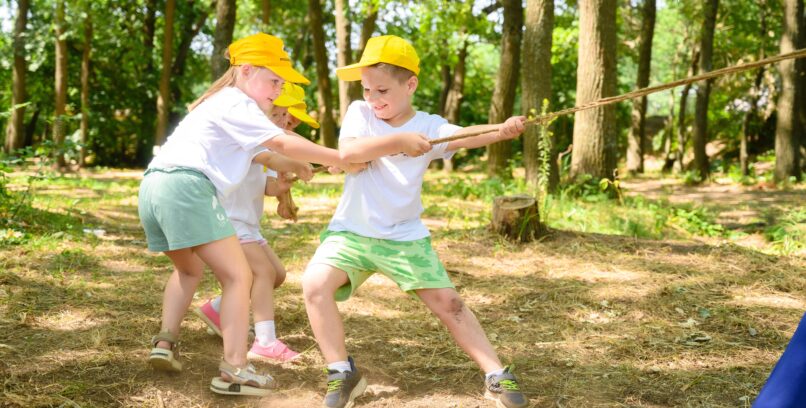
{"x": 218, "y": 138}
{"x": 244, "y": 204}
{"x": 384, "y": 201}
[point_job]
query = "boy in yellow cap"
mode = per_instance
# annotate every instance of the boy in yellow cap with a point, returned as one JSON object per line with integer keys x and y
{"x": 377, "y": 226}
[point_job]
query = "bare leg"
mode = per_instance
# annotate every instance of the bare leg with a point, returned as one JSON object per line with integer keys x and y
{"x": 279, "y": 269}
{"x": 319, "y": 284}
{"x": 179, "y": 290}
{"x": 264, "y": 273}
{"x": 461, "y": 322}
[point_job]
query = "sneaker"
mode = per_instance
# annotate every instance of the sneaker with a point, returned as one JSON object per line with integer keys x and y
{"x": 276, "y": 352}
{"x": 210, "y": 317}
{"x": 504, "y": 390}
{"x": 344, "y": 387}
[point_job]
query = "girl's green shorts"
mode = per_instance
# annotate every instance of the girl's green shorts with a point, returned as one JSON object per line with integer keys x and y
{"x": 178, "y": 209}
{"x": 411, "y": 265}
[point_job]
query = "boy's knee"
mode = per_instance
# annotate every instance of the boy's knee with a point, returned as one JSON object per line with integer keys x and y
{"x": 448, "y": 303}
{"x": 313, "y": 286}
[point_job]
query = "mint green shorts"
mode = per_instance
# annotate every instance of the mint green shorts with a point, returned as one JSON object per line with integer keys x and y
{"x": 411, "y": 265}
{"x": 179, "y": 209}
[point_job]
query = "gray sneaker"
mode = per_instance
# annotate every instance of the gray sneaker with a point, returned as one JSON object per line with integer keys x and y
{"x": 344, "y": 387}
{"x": 504, "y": 390}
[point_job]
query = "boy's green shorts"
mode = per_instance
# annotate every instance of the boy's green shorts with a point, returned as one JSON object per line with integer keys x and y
{"x": 179, "y": 209}
{"x": 411, "y": 265}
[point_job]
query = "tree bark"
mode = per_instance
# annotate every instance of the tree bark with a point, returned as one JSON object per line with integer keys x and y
{"x": 681, "y": 116}
{"x": 595, "y": 130}
{"x": 516, "y": 217}
{"x": 637, "y": 137}
{"x": 265, "y": 13}
{"x": 367, "y": 29}
{"x": 164, "y": 98}
{"x": 536, "y": 85}
{"x": 344, "y": 53}
{"x": 755, "y": 93}
{"x": 60, "y": 84}
{"x": 787, "y": 145}
{"x": 704, "y": 89}
{"x": 222, "y": 37}
{"x": 15, "y": 132}
{"x": 148, "y": 107}
{"x": 325, "y": 95}
{"x": 503, "y": 100}
{"x": 85, "y": 88}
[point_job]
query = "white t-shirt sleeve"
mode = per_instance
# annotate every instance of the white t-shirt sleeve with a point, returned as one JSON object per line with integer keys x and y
{"x": 356, "y": 121}
{"x": 438, "y": 129}
{"x": 248, "y": 125}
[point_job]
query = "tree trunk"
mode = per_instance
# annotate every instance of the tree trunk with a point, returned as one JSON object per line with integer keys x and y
{"x": 755, "y": 93}
{"x": 265, "y": 15}
{"x": 681, "y": 115}
{"x": 146, "y": 137}
{"x": 325, "y": 95}
{"x": 787, "y": 145}
{"x": 189, "y": 32}
{"x": 85, "y": 88}
{"x": 595, "y": 130}
{"x": 164, "y": 98}
{"x": 60, "y": 85}
{"x": 222, "y": 37}
{"x": 704, "y": 89}
{"x": 536, "y": 85}
{"x": 516, "y": 217}
{"x": 367, "y": 28}
{"x": 15, "y": 136}
{"x": 345, "y": 53}
{"x": 637, "y": 137}
{"x": 503, "y": 99}
{"x": 447, "y": 79}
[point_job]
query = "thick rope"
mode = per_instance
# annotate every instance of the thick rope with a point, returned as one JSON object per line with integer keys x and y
{"x": 639, "y": 93}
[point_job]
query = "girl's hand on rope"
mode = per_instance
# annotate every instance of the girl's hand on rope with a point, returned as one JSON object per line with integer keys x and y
{"x": 512, "y": 127}
{"x": 413, "y": 144}
{"x": 350, "y": 168}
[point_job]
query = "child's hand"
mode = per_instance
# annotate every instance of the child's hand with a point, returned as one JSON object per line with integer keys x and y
{"x": 284, "y": 182}
{"x": 334, "y": 170}
{"x": 512, "y": 127}
{"x": 353, "y": 168}
{"x": 286, "y": 207}
{"x": 303, "y": 170}
{"x": 414, "y": 144}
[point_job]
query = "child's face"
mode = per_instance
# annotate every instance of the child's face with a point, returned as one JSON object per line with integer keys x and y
{"x": 262, "y": 85}
{"x": 279, "y": 116}
{"x": 388, "y": 97}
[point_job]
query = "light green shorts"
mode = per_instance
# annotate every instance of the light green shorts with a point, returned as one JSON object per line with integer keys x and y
{"x": 411, "y": 265}
{"x": 178, "y": 209}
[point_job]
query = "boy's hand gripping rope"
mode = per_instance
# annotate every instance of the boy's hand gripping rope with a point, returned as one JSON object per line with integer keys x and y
{"x": 639, "y": 93}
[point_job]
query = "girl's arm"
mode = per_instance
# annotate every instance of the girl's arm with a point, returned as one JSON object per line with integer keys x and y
{"x": 366, "y": 149}
{"x": 280, "y": 163}
{"x": 277, "y": 186}
{"x": 508, "y": 130}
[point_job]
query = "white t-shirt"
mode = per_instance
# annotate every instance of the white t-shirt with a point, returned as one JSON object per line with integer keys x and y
{"x": 383, "y": 201}
{"x": 244, "y": 204}
{"x": 218, "y": 138}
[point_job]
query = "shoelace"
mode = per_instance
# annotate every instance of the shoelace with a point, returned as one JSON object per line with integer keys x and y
{"x": 334, "y": 385}
{"x": 509, "y": 385}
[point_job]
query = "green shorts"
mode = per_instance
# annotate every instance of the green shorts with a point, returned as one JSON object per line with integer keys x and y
{"x": 179, "y": 209}
{"x": 411, "y": 265}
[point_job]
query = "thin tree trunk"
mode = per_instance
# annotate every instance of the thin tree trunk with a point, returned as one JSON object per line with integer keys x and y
{"x": 164, "y": 98}
{"x": 755, "y": 93}
{"x": 536, "y": 85}
{"x": 344, "y": 53}
{"x": 595, "y": 130}
{"x": 222, "y": 37}
{"x": 325, "y": 95}
{"x": 681, "y": 115}
{"x": 787, "y": 145}
{"x": 637, "y": 137}
{"x": 668, "y": 136}
{"x": 453, "y": 100}
{"x": 367, "y": 28}
{"x": 60, "y": 85}
{"x": 189, "y": 32}
{"x": 85, "y": 88}
{"x": 15, "y": 136}
{"x": 447, "y": 79}
{"x": 146, "y": 136}
{"x": 265, "y": 15}
{"x": 704, "y": 90}
{"x": 503, "y": 100}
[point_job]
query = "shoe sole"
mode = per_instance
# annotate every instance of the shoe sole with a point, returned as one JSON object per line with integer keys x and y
{"x": 490, "y": 396}
{"x": 258, "y": 357}
{"x": 208, "y": 322}
{"x": 163, "y": 360}
{"x": 219, "y": 386}
{"x": 357, "y": 391}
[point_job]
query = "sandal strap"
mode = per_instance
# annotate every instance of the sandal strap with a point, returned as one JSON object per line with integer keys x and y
{"x": 165, "y": 336}
{"x": 245, "y": 375}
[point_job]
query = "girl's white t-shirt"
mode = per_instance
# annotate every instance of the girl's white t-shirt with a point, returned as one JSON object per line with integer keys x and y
{"x": 384, "y": 201}
{"x": 218, "y": 138}
{"x": 244, "y": 204}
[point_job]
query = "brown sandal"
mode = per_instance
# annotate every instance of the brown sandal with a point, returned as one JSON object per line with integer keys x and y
{"x": 164, "y": 359}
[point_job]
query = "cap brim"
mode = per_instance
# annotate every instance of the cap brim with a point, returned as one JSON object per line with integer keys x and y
{"x": 353, "y": 72}
{"x": 285, "y": 101}
{"x": 300, "y": 114}
{"x": 290, "y": 75}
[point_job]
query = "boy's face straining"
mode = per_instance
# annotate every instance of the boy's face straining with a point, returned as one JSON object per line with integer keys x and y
{"x": 389, "y": 98}
{"x": 264, "y": 86}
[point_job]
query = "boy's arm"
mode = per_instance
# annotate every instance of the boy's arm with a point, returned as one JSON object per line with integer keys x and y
{"x": 508, "y": 130}
{"x": 365, "y": 149}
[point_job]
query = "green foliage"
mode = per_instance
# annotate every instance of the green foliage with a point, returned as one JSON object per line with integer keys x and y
{"x": 788, "y": 234}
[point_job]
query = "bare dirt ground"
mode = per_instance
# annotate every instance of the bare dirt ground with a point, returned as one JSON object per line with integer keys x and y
{"x": 589, "y": 320}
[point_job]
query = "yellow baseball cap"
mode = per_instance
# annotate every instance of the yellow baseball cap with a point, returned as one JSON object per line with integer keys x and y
{"x": 265, "y": 50}
{"x": 389, "y": 49}
{"x": 293, "y": 98}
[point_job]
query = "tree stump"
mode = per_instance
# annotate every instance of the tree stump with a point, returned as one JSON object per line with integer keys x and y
{"x": 516, "y": 217}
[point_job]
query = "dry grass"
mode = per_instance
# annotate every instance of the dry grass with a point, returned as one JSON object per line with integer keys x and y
{"x": 589, "y": 320}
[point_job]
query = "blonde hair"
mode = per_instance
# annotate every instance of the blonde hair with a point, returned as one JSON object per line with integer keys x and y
{"x": 228, "y": 79}
{"x": 397, "y": 72}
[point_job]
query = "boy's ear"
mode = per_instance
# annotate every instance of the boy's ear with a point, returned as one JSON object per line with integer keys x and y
{"x": 411, "y": 85}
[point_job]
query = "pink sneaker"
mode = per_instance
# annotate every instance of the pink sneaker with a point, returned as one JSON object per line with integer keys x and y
{"x": 210, "y": 317}
{"x": 274, "y": 353}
